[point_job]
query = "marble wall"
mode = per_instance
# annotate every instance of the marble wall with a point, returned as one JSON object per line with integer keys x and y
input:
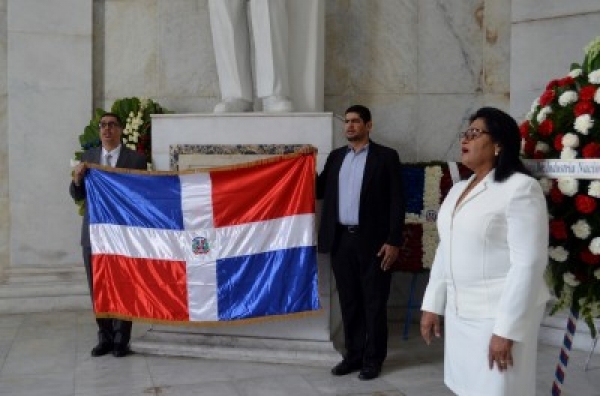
{"x": 422, "y": 66}
{"x": 49, "y": 101}
{"x": 545, "y": 41}
{"x": 4, "y": 196}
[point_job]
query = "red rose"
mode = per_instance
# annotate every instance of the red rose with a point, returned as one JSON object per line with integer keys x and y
{"x": 524, "y": 128}
{"x": 589, "y": 257}
{"x": 583, "y": 107}
{"x": 547, "y": 98}
{"x": 546, "y": 128}
{"x": 539, "y": 155}
{"x": 558, "y": 146}
{"x": 529, "y": 147}
{"x": 585, "y": 204}
{"x": 587, "y": 93}
{"x": 568, "y": 80}
{"x": 551, "y": 85}
{"x": 556, "y": 196}
{"x": 558, "y": 229}
{"x": 591, "y": 150}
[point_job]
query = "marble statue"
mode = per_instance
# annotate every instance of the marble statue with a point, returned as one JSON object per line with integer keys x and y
{"x": 267, "y": 27}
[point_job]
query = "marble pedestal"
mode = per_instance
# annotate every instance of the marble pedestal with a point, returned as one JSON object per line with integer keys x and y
{"x": 308, "y": 340}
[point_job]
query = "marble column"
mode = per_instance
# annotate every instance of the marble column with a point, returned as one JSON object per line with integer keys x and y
{"x": 48, "y": 101}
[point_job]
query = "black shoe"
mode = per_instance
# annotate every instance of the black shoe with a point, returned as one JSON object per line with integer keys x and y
{"x": 102, "y": 349}
{"x": 346, "y": 367}
{"x": 369, "y": 373}
{"x": 120, "y": 351}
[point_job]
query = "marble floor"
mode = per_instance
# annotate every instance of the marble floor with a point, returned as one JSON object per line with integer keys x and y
{"x": 49, "y": 354}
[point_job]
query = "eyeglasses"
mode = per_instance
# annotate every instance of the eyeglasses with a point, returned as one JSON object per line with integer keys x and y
{"x": 472, "y": 134}
{"x": 107, "y": 125}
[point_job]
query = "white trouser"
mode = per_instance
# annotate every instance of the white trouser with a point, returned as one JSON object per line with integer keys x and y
{"x": 231, "y": 41}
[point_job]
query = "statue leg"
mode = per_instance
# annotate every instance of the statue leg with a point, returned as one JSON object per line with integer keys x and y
{"x": 231, "y": 42}
{"x": 270, "y": 31}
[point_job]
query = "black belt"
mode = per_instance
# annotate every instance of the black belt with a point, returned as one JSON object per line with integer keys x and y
{"x": 351, "y": 229}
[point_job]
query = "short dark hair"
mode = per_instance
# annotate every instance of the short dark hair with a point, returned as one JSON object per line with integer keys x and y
{"x": 109, "y": 114}
{"x": 363, "y": 112}
{"x": 504, "y": 131}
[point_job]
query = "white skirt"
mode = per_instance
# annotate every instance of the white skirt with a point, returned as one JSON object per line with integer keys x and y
{"x": 466, "y": 367}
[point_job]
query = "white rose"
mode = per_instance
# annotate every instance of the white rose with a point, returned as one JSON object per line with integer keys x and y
{"x": 568, "y": 153}
{"x": 546, "y": 184}
{"x": 570, "y": 140}
{"x": 594, "y": 189}
{"x": 575, "y": 73}
{"x": 583, "y": 123}
{"x": 567, "y": 98}
{"x": 124, "y": 141}
{"x": 597, "y": 96}
{"x": 568, "y": 186}
{"x": 570, "y": 279}
{"x": 529, "y": 115}
{"x": 535, "y": 104}
{"x": 595, "y": 246}
{"x": 581, "y": 229}
{"x": 542, "y": 147}
{"x": 594, "y": 77}
{"x": 131, "y": 146}
{"x": 558, "y": 253}
{"x": 543, "y": 114}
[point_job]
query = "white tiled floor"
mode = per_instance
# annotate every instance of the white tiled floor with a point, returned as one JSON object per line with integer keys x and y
{"x": 49, "y": 354}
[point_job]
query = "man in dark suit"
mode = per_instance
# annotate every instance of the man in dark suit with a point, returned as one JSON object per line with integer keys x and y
{"x": 361, "y": 227}
{"x": 113, "y": 334}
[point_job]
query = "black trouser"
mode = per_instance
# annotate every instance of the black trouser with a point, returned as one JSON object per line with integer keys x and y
{"x": 363, "y": 289}
{"x": 113, "y": 331}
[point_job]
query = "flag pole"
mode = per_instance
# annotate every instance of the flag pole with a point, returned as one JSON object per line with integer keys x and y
{"x": 563, "y": 359}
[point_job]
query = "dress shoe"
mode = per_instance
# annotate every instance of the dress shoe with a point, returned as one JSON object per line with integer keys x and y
{"x": 369, "y": 373}
{"x": 120, "y": 351}
{"x": 233, "y": 106}
{"x": 345, "y": 367}
{"x": 102, "y": 349}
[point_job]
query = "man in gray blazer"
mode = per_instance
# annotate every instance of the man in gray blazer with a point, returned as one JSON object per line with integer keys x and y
{"x": 113, "y": 334}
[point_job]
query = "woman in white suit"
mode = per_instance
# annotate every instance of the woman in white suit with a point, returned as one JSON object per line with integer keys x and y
{"x": 487, "y": 277}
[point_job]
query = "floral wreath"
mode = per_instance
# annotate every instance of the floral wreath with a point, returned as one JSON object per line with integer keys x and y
{"x": 564, "y": 122}
{"x": 136, "y": 133}
{"x": 425, "y": 184}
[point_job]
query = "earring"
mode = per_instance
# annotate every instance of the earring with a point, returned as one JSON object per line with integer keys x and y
{"x": 497, "y": 152}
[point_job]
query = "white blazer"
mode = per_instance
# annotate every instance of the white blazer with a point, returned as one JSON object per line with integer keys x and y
{"x": 492, "y": 254}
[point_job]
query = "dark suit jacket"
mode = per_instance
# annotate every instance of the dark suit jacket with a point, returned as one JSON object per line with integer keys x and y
{"x": 127, "y": 159}
{"x": 381, "y": 207}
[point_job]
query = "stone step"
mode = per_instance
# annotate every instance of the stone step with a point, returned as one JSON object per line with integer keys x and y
{"x": 241, "y": 348}
{"x": 43, "y": 289}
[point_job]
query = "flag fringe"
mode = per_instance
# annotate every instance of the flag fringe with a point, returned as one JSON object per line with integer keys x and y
{"x": 238, "y": 322}
{"x": 302, "y": 151}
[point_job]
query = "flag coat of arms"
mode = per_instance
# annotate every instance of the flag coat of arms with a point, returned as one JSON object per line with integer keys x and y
{"x": 201, "y": 246}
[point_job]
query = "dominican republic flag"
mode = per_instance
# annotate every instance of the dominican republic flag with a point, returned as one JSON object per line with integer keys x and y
{"x": 221, "y": 244}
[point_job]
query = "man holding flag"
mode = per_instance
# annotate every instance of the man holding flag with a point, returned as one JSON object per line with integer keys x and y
{"x": 113, "y": 334}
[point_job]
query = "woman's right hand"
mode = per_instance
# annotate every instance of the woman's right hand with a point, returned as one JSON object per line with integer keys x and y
{"x": 430, "y": 326}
